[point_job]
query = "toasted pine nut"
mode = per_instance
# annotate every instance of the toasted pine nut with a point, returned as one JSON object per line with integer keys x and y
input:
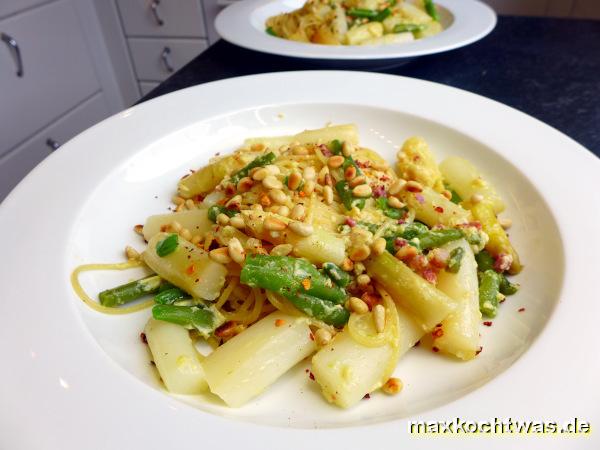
{"x": 335, "y": 161}
{"x": 237, "y": 221}
{"x": 253, "y": 243}
{"x": 413, "y": 186}
{"x": 139, "y": 229}
{"x": 395, "y": 203}
{"x": 379, "y": 318}
{"x": 196, "y": 239}
{"x": 505, "y": 223}
{"x": 322, "y": 336}
{"x": 347, "y": 148}
{"x": 245, "y": 184}
{"x": 234, "y": 202}
{"x": 178, "y": 200}
{"x": 358, "y": 306}
{"x": 282, "y": 250}
{"x": 361, "y": 179}
{"x": 309, "y": 187}
{"x": 273, "y": 224}
{"x": 363, "y": 279}
{"x": 273, "y": 169}
{"x": 175, "y": 226}
{"x": 265, "y": 200}
{"x": 297, "y": 212}
{"x": 220, "y": 255}
{"x": 189, "y": 204}
{"x": 222, "y": 219}
{"x": 392, "y": 386}
{"x": 309, "y": 173}
{"x": 256, "y": 207}
{"x": 271, "y": 182}
{"x": 186, "y": 234}
{"x": 236, "y": 251}
{"x": 347, "y": 265}
{"x": 294, "y": 180}
{"x": 359, "y": 268}
{"x": 476, "y": 198}
{"x": 359, "y": 253}
{"x": 378, "y": 246}
{"x": 131, "y": 253}
{"x": 362, "y": 190}
{"x": 350, "y": 173}
{"x": 328, "y": 195}
{"x": 259, "y": 147}
{"x": 278, "y": 196}
{"x": 446, "y": 193}
{"x": 301, "y": 228}
{"x": 321, "y": 178}
{"x": 284, "y": 211}
{"x": 179, "y": 207}
{"x": 407, "y": 252}
{"x": 299, "y": 150}
{"x": 260, "y": 174}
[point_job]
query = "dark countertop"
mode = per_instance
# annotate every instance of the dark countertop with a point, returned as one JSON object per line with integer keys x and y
{"x": 548, "y": 68}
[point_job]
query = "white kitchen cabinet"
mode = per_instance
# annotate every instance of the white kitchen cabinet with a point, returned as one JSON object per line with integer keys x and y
{"x": 57, "y": 71}
{"x": 8, "y": 7}
{"x": 18, "y": 162}
{"x": 147, "y": 86}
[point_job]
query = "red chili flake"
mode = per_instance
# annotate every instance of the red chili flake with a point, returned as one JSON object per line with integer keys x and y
{"x": 479, "y": 350}
{"x": 439, "y": 209}
{"x": 435, "y": 349}
{"x": 191, "y": 269}
{"x": 350, "y": 222}
{"x": 363, "y": 164}
{"x": 487, "y": 323}
{"x": 143, "y": 338}
{"x": 279, "y": 322}
{"x": 311, "y": 375}
{"x": 370, "y": 299}
{"x": 198, "y": 198}
{"x": 430, "y": 275}
{"x": 438, "y": 332}
{"x": 379, "y": 191}
{"x": 521, "y": 309}
{"x": 420, "y": 198}
{"x": 475, "y": 224}
{"x": 384, "y": 177}
{"x": 306, "y": 370}
{"x": 367, "y": 396}
{"x": 325, "y": 150}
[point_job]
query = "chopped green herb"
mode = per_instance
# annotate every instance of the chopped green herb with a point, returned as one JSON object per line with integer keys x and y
{"x": 394, "y": 213}
{"x": 455, "y": 260}
{"x": 167, "y": 245}
{"x": 215, "y": 210}
{"x": 271, "y": 31}
{"x": 345, "y": 192}
{"x": 259, "y": 161}
{"x": 335, "y": 147}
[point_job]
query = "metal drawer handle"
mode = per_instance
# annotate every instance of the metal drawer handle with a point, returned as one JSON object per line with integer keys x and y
{"x": 154, "y": 9}
{"x": 16, "y": 52}
{"x": 165, "y": 56}
{"x": 52, "y": 144}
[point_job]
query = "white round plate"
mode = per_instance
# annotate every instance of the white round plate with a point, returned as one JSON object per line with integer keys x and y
{"x": 73, "y": 378}
{"x": 243, "y": 24}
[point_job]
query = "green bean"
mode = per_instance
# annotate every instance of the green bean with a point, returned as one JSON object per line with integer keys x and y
{"x": 362, "y": 13}
{"x": 337, "y": 275}
{"x": 345, "y": 193}
{"x": 455, "y": 260}
{"x": 329, "y": 313}
{"x": 437, "y": 238}
{"x": 506, "y": 287}
{"x": 170, "y": 296}
{"x": 130, "y": 291}
{"x": 200, "y": 317}
{"x": 485, "y": 261}
{"x": 412, "y": 230}
{"x": 489, "y": 288}
{"x": 335, "y": 147}
{"x": 382, "y": 15}
{"x": 431, "y": 9}
{"x": 394, "y": 213}
{"x": 259, "y": 161}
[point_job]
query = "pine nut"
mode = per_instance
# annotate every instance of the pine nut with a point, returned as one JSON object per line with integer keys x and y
{"x": 347, "y": 148}
{"x": 256, "y": 207}
{"x": 299, "y": 150}
{"x": 359, "y": 253}
{"x": 131, "y": 253}
{"x": 395, "y": 203}
{"x": 358, "y": 306}
{"x": 284, "y": 211}
{"x": 259, "y": 147}
{"x": 359, "y": 268}
{"x": 505, "y": 223}
{"x": 273, "y": 224}
{"x": 379, "y": 318}
{"x": 139, "y": 229}
{"x": 260, "y": 174}
{"x": 178, "y": 200}
{"x": 271, "y": 182}
{"x": 220, "y": 255}
{"x": 186, "y": 234}
{"x": 322, "y": 173}
{"x": 175, "y": 226}
{"x": 235, "y": 202}
{"x": 237, "y": 221}
{"x": 446, "y": 193}
{"x": 476, "y": 198}
{"x": 363, "y": 279}
{"x": 294, "y": 180}
{"x": 397, "y": 186}
{"x": 282, "y": 250}
{"x": 297, "y": 212}
{"x": 361, "y": 179}
{"x": 350, "y": 173}
{"x": 362, "y": 190}
{"x": 309, "y": 173}
{"x": 253, "y": 243}
{"x": 265, "y": 200}
{"x": 347, "y": 265}
{"x": 222, "y": 219}
{"x": 278, "y": 196}
{"x": 189, "y": 204}
{"x": 309, "y": 187}
{"x": 328, "y": 195}
{"x": 236, "y": 251}
{"x": 392, "y": 386}
{"x": 322, "y": 337}
{"x": 413, "y": 186}
{"x": 378, "y": 246}
{"x": 179, "y": 207}
{"x": 272, "y": 169}
{"x": 335, "y": 161}
{"x": 301, "y": 228}
{"x": 245, "y": 184}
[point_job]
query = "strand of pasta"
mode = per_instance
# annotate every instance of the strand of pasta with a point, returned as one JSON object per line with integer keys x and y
{"x": 233, "y": 282}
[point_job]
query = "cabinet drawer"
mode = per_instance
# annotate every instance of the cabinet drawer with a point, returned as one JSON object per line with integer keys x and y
{"x": 180, "y": 18}
{"x": 157, "y": 59}
{"x": 57, "y": 71}
{"x": 19, "y": 162}
{"x": 147, "y": 86}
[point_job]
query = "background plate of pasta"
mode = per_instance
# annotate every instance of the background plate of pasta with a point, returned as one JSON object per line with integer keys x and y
{"x": 355, "y": 29}
{"x": 258, "y": 264}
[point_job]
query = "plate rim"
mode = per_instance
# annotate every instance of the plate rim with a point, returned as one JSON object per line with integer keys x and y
{"x": 558, "y": 146}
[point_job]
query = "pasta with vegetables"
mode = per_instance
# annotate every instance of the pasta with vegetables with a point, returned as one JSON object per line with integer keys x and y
{"x": 313, "y": 246}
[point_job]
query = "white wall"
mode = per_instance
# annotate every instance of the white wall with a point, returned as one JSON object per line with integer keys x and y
{"x": 589, "y": 9}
